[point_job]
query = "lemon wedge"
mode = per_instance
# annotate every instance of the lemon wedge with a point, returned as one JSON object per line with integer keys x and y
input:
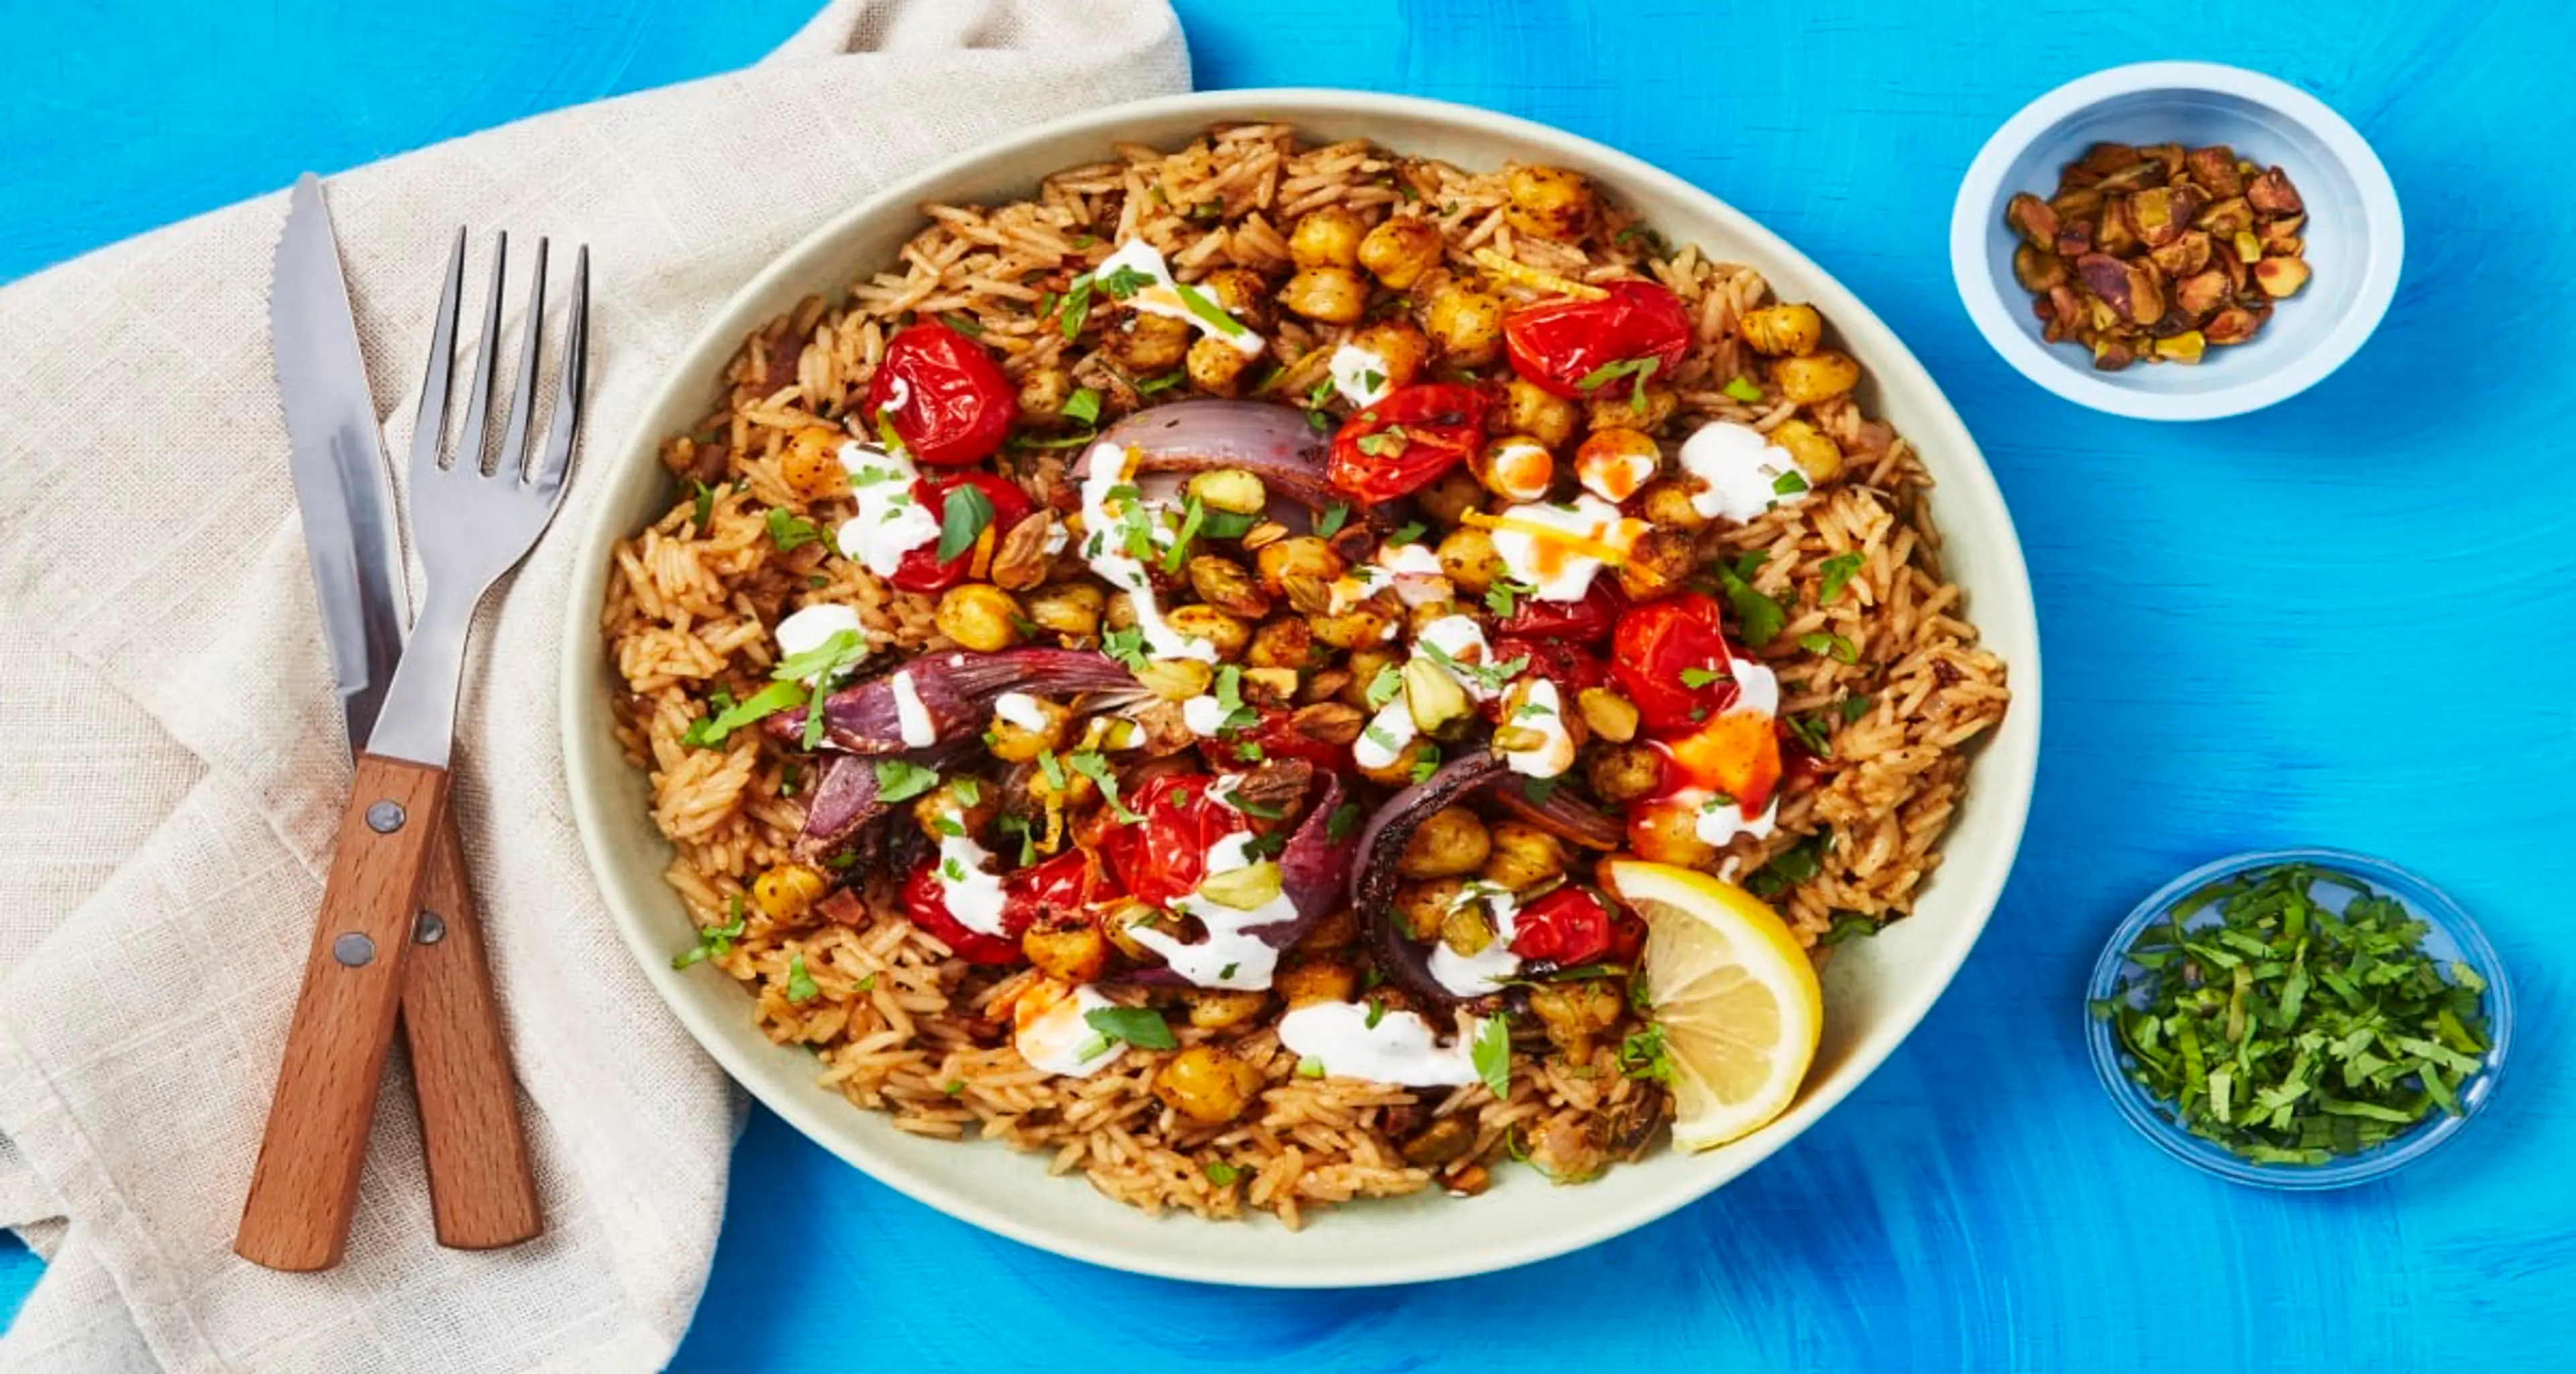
{"x": 1737, "y": 998}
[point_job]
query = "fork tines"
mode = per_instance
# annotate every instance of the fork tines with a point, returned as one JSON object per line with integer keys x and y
{"x": 546, "y": 469}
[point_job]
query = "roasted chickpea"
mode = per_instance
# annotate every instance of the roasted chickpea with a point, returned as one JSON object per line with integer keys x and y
{"x": 1515, "y": 467}
{"x": 1450, "y": 841}
{"x": 1616, "y": 464}
{"x": 1331, "y": 295}
{"x": 1301, "y": 555}
{"x": 1269, "y": 686}
{"x": 1355, "y": 628}
{"x": 1224, "y": 1008}
{"x": 1658, "y": 563}
{"x": 1615, "y": 407}
{"x": 1208, "y": 1084}
{"x": 1333, "y": 932}
{"x": 1817, "y": 453}
{"x": 1044, "y": 391}
{"x": 1450, "y": 495}
{"x": 1219, "y": 367}
{"x": 1403, "y": 347}
{"x": 1118, "y": 922}
{"x": 811, "y": 466}
{"x": 1531, "y": 409}
{"x": 1624, "y": 774}
{"x": 1066, "y": 946}
{"x": 1232, "y": 490}
{"x": 1815, "y": 377}
{"x": 1400, "y": 250}
{"x": 1466, "y": 323}
{"x": 1419, "y": 754}
{"x": 1669, "y": 834}
{"x": 1014, "y": 742}
{"x": 787, "y": 891}
{"x": 1777, "y": 330}
{"x": 1423, "y": 906}
{"x": 1174, "y": 679}
{"x": 1468, "y": 559}
{"x": 1523, "y": 856}
{"x": 1226, "y": 632}
{"x": 1226, "y": 585}
{"x": 1468, "y": 928}
{"x": 1365, "y": 664}
{"x": 1309, "y": 981}
{"x": 1323, "y": 685}
{"x": 1574, "y": 1012}
{"x": 957, "y": 801}
{"x": 1066, "y": 608}
{"x": 1146, "y": 344}
{"x": 1326, "y": 237}
{"x": 978, "y": 616}
{"x": 1286, "y": 642}
{"x": 1244, "y": 294}
{"x": 1550, "y": 202}
{"x": 1666, "y": 504}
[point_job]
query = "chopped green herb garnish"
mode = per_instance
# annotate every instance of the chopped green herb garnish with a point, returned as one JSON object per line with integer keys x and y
{"x": 838, "y": 653}
{"x": 1142, "y": 1027}
{"x": 1504, "y": 593}
{"x": 1636, "y": 369}
{"x": 1644, "y": 1055}
{"x": 1076, "y": 307}
{"x": 1832, "y": 646}
{"x": 1083, "y": 407}
{"x": 1221, "y": 1173}
{"x": 1538, "y": 790}
{"x": 1310, "y": 1067}
{"x": 1387, "y": 441}
{"x": 1127, "y": 646}
{"x": 1789, "y": 483}
{"x": 964, "y": 511}
{"x": 1124, "y": 282}
{"x": 1424, "y": 767}
{"x": 1743, "y": 389}
{"x": 1343, "y": 823}
{"x": 1853, "y": 708}
{"x": 1147, "y": 386}
{"x": 1492, "y": 1057}
{"x": 702, "y": 512}
{"x": 1052, "y": 769}
{"x": 1799, "y": 863}
{"x": 1091, "y": 765}
{"x": 1839, "y": 571}
{"x": 1814, "y": 734}
{"x": 901, "y": 781}
{"x": 2286, "y": 1031}
{"x": 800, "y": 984}
{"x": 1376, "y": 1013}
{"x": 1019, "y": 825}
{"x": 963, "y": 323}
{"x": 1848, "y": 925}
{"x": 1696, "y": 678}
{"x": 715, "y": 942}
{"x": 1208, "y": 311}
{"x": 709, "y": 731}
{"x": 1758, "y": 615}
{"x": 1381, "y": 690}
{"x": 789, "y": 530}
{"x": 1331, "y": 521}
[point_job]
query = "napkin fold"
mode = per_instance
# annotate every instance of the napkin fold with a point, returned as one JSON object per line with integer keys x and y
{"x": 173, "y": 762}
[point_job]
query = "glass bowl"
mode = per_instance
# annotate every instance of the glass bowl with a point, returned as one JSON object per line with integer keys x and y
{"x": 2453, "y": 936}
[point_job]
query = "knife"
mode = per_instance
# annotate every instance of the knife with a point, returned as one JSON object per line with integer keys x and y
{"x": 481, "y": 1187}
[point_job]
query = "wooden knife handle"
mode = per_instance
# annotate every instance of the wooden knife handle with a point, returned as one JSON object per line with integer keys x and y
{"x": 306, "y": 1182}
{"x": 481, "y": 1188}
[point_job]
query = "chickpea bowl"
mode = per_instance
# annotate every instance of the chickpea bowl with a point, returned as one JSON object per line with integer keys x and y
{"x": 1093, "y": 805}
{"x": 2348, "y": 241}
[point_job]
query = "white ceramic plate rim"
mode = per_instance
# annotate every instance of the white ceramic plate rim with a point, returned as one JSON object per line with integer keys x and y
{"x": 1983, "y": 296}
{"x": 1973, "y": 881}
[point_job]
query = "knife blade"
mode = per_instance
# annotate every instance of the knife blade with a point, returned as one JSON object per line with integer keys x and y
{"x": 336, "y": 454}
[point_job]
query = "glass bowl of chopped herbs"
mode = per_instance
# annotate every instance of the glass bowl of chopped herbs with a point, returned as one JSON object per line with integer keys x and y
{"x": 2298, "y": 1018}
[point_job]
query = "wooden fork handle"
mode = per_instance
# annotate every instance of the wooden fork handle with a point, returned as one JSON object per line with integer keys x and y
{"x": 306, "y": 1182}
{"x": 482, "y": 1191}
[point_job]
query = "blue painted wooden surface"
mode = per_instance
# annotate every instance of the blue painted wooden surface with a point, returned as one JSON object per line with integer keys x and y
{"x": 2345, "y": 621}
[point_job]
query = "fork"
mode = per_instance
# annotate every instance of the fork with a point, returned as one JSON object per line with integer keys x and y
{"x": 474, "y": 514}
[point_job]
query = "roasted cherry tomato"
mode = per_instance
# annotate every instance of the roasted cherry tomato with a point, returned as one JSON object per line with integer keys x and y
{"x": 925, "y": 903}
{"x": 1399, "y": 445}
{"x": 1571, "y": 668}
{"x": 1627, "y": 938}
{"x": 1566, "y": 927}
{"x": 921, "y": 570}
{"x": 1663, "y": 648}
{"x": 1559, "y": 343}
{"x": 1061, "y": 886}
{"x": 1278, "y": 740}
{"x": 945, "y": 396}
{"x": 1582, "y": 621}
{"x": 1735, "y": 754}
{"x": 1161, "y": 857}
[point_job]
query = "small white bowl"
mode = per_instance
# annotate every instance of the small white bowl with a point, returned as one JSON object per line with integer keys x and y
{"x": 2355, "y": 238}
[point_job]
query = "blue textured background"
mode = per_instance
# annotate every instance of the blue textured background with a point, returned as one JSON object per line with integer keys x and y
{"x": 2345, "y": 621}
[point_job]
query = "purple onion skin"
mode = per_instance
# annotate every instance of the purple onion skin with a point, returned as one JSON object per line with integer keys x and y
{"x": 1564, "y": 815}
{"x": 957, "y": 690}
{"x": 1374, "y": 879}
{"x": 1272, "y": 442}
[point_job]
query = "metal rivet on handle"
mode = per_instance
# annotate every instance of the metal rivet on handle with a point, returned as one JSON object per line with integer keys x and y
{"x": 385, "y": 817}
{"x": 429, "y": 929}
{"x": 354, "y": 950}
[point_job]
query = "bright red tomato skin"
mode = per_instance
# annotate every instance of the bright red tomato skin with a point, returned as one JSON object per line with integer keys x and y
{"x": 944, "y": 395}
{"x": 1582, "y": 621}
{"x": 1569, "y": 666}
{"x": 921, "y": 570}
{"x": 1278, "y": 740}
{"x": 1556, "y": 344}
{"x": 1566, "y": 927}
{"x": 925, "y": 904}
{"x": 1161, "y": 857}
{"x": 1060, "y": 886}
{"x": 1442, "y": 423}
{"x": 1659, "y": 641}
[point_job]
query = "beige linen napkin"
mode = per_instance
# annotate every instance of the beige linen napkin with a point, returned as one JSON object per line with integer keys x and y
{"x": 171, "y": 761}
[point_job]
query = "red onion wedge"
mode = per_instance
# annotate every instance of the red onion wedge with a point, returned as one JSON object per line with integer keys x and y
{"x": 956, "y": 691}
{"x": 1275, "y": 443}
{"x": 1564, "y": 815}
{"x": 1374, "y": 879}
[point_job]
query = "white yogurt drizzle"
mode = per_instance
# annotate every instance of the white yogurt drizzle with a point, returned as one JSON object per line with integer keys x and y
{"x": 890, "y": 522}
{"x": 1022, "y": 710}
{"x": 1400, "y": 1049}
{"x": 813, "y": 627}
{"x": 972, "y": 892}
{"x": 1740, "y": 472}
{"x": 1164, "y": 297}
{"x": 1474, "y": 975}
{"x": 911, "y": 715}
{"x": 1104, "y": 546}
{"x": 1059, "y": 1040}
{"x": 1230, "y": 956}
{"x": 1553, "y": 569}
{"x": 1361, "y": 375}
{"x": 1538, "y": 707}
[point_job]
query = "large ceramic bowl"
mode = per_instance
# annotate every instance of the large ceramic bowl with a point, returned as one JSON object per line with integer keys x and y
{"x": 1875, "y": 992}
